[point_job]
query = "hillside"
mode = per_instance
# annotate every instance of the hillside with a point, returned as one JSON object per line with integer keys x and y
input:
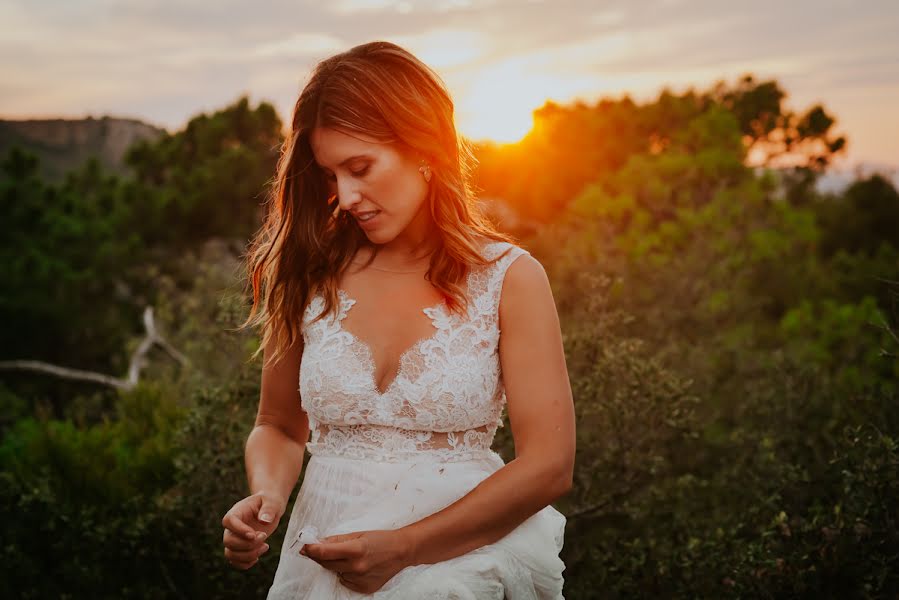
{"x": 64, "y": 144}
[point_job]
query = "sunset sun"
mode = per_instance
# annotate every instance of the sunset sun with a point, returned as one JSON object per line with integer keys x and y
{"x": 497, "y": 121}
{"x": 498, "y": 103}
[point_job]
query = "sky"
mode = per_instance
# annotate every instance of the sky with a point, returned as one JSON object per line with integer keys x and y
{"x": 164, "y": 61}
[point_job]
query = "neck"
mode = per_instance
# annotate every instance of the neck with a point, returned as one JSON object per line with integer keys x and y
{"x": 413, "y": 246}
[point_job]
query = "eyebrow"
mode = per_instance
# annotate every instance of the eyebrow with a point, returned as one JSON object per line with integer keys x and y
{"x": 346, "y": 160}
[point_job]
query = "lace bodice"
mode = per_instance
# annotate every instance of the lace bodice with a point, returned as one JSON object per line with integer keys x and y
{"x": 446, "y": 400}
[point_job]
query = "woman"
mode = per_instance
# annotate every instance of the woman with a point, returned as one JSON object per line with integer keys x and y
{"x": 377, "y": 281}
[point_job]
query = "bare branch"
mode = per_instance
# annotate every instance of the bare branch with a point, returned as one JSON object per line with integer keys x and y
{"x": 65, "y": 373}
{"x": 138, "y": 361}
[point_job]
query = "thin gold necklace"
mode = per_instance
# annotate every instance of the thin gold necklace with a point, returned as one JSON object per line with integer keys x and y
{"x": 391, "y": 270}
{"x": 395, "y": 271}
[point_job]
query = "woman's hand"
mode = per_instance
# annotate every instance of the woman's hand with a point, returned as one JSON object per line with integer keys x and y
{"x": 247, "y": 524}
{"x": 363, "y": 561}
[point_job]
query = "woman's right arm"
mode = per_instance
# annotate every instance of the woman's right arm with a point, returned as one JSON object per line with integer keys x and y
{"x": 274, "y": 459}
{"x": 276, "y": 445}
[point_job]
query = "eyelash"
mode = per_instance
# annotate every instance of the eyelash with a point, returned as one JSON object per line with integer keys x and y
{"x": 361, "y": 173}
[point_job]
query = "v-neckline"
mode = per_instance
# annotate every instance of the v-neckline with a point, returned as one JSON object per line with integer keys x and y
{"x": 372, "y": 368}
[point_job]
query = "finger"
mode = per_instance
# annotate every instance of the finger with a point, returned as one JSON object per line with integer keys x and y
{"x": 338, "y": 566}
{"x": 245, "y": 557}
{"x": 341, "y": 565}
{"x": 268, "y": 512}
{"x": 333, "y": 550}
{"x": 340, "y": 537}
{"x": 240, "y": 556}
{"x": 236, "y": 542}
{"x": 241, "y": 565}
{"x": 232, "y": 522}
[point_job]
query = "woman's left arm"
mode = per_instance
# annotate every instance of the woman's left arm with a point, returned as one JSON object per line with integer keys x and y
{"x": 541, "y": 414}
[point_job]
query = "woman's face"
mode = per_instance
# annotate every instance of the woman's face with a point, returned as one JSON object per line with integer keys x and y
{"x": 380, "y": 186}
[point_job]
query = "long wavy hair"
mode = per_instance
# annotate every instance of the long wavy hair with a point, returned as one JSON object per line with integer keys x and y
{"x": 306, "y": 242}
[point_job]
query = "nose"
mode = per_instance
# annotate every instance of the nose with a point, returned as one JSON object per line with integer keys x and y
{"x": 348, "y": 194}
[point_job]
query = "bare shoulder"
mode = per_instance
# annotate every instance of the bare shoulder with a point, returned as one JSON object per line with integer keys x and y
{"x": 526, "y": 291}
{"x": 525, "y": 271}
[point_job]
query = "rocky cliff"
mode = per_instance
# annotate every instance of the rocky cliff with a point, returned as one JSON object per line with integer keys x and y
{"x": 65, "y": 144}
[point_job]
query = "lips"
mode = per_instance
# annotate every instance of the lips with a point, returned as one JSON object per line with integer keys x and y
{"x": 366, "y": 218}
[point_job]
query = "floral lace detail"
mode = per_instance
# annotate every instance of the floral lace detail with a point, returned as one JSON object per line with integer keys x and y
{"x": 446, "y": 400}
{"x": 376, "y": 442}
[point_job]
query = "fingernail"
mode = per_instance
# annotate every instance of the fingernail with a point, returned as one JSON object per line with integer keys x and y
{"x": 265, "y": 517}
{"x": 265, "y": 547}
{"x": 261, "y": 535}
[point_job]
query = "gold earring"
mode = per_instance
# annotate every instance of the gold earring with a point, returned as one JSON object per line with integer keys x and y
{"x": 425, "y": 169}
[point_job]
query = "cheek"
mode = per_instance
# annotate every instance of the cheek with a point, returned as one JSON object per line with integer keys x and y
{"x": 398, "y": 190}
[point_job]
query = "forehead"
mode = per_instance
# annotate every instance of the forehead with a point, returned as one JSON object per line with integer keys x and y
{"x": 332, "y": 146}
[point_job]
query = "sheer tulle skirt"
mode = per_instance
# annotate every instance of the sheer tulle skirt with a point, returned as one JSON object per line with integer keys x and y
{"x": 343, "y": 495}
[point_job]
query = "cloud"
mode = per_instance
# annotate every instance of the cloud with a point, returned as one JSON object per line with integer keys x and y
{"x": 348, "y": 7}
{"x": 299, "y": 44}
{"x": 446, "y": 48}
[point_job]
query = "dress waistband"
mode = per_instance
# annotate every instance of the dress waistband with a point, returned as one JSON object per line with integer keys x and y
{"x": 395, "y": 444}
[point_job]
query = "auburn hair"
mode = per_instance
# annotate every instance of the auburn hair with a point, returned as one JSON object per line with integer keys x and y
{"x": 306, "y": 242}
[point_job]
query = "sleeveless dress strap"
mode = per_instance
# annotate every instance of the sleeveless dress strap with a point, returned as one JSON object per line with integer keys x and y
{"x": 496, "y": 273}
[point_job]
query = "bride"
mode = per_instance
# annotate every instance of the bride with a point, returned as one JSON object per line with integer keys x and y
{"x": 397, "y": 325}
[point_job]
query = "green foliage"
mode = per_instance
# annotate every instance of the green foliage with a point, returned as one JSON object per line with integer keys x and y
{"x": 572, "y": 147}
{"x": 693, "y": 508}
{"x": 152, "y": 481}
{"x": 207, "y": 180}
{"x": 864, "y": 220}
{"x": 85, "y": 497}
{"x": 837, "y": 536}
{"x": 104, "y": 463}
{"x": 62, "y": 252}
{"x": 210, "y": 479}
{"x": 847, "y": 340}
{"x": 731, "y": 284}
{"x": 81, "y": 258}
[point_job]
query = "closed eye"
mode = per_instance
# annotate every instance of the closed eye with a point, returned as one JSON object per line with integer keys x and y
{"x": 360, "y": 173}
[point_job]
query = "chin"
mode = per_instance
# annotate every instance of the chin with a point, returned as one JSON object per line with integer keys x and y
{"x": 378, "y": 236}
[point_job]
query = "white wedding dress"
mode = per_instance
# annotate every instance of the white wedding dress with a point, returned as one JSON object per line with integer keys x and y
{"x": 383, "y": 460}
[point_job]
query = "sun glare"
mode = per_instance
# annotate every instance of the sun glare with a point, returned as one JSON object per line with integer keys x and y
{"x": 493, "y": 100}
{"x": 497, "y": 123}
{"x": 498, "y": 103}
